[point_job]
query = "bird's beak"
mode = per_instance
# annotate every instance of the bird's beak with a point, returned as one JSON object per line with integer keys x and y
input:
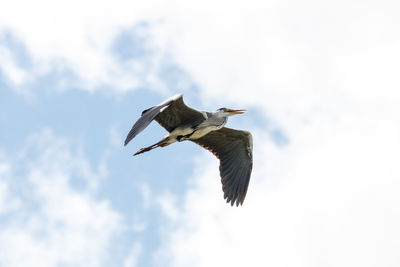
{"x": 236, "y": 111}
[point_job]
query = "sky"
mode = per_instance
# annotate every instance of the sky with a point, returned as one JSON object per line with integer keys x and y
{"x": 320, "y": 81}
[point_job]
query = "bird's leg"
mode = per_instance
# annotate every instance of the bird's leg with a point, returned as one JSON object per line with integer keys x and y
{"x": 164, "y": 142}
{"x": 145, "y": 149}
{"x": 181, "y": 138}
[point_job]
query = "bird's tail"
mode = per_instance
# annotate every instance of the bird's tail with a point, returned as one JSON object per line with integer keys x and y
{"x": 164, "y": 142}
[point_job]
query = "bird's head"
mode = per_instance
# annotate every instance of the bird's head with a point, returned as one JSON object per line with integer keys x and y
{"x": 226, "y": 112}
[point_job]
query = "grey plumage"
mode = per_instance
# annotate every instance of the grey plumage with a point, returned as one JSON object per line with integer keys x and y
{"x": 232, "y": 147}
{"x": 178, "y": 114}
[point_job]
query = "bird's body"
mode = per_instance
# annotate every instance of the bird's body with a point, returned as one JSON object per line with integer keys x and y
{"x": 232, "y": 147}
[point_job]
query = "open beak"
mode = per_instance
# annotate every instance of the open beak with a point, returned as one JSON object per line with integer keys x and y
{"x": 236, "y": 111}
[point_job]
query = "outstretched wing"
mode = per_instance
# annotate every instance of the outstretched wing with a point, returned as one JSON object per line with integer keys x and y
{"x": 234, "y": 148}
{"x": 178, "y": 114}
{"x": 169, "y": 114}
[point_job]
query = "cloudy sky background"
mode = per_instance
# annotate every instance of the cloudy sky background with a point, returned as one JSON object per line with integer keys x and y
{"x": 320, "y": 81}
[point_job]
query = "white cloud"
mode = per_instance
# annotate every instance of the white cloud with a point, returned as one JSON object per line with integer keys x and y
{"x": 167, "y": 203}
{"x": 57, "y": 218}
{"x": 131, "y": 260}
{"x": 77, "y": 37}
{"x": 13, "y": 73}
{"x": 7, "y": 201}
{"x": 329, "y": 199}
{"x": 327, "y": 74}
{"x": 293, "y": 51}
{"x": 292, "y": 59}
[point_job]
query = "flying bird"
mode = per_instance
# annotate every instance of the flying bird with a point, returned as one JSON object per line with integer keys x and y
{"x": 234, "y": 148}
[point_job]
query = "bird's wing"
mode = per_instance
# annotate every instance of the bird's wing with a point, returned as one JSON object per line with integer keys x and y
{"x": 178, "y": 114}
{"x": 234, "y": 148}
{"x": 169, "y": 114}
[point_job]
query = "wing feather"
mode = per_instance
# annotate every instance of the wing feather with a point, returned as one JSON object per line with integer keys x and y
{"x": 178, "y": 114}
{"x": 234, "y": 150}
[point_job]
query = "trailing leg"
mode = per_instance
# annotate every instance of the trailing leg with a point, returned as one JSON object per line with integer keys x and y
{"x": 164, "y": 142}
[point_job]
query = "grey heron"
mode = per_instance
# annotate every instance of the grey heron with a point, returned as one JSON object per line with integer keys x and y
{"x": 234, "y": 148}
